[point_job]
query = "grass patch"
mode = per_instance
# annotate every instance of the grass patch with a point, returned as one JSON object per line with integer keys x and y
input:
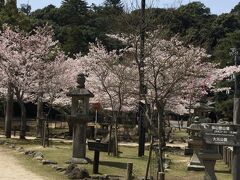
{"x": 179, "y": 170}
{"x": 45, "y": 172}
{"x": 179, "y": 134}
{"x": 61, "y": 152}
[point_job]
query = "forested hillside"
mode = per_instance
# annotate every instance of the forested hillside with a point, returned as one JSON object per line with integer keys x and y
{"x": 77, "y": 23}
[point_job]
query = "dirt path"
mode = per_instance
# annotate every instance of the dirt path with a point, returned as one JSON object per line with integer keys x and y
{"x": 11, "y": 169}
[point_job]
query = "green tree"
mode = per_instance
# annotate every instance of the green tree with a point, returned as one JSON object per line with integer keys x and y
{"x": 26, "y": 9}
{"x": 73, "y": 12}
{"x": 221, "y": 55}
{"x": 2, "y": 2}
{"x": 236, "y": 9}
{"x": 114, "y": 6}
{"x": 11, "y": 7}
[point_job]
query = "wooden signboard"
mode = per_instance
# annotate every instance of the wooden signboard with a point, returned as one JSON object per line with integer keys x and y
{"x": 96, "y": 146}
{"x": 222, "y": 134}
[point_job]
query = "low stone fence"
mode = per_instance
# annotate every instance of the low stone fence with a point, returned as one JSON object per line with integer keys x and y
{"x": 228, "y": 156}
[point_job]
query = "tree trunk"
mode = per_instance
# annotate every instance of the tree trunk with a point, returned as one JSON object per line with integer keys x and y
{"x": 9, "y": 112}
{"x": 116, "y": 138}
{"x": 115, "y": 152}
{"x": 39, "y": 117}
{"x": 110, "y": 139}
{"x": 161, "y": 123}
{"x": 160, "y": 147}
{"x": 149, "y": 157}
{"x": 161, "y": 135}
{"x": 189, "y": 112}
{"x": 70, "y": 125}
{"x": 4, "y": 107}
{"x": 23, "y": 126}
{"x": 179, "y": 123}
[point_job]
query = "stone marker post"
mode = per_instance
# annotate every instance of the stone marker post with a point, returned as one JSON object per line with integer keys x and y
{"x": 79, "y": 117}
{"x": 236, "y": 117}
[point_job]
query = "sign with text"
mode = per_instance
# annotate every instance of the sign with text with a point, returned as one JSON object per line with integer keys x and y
{"x": 97, "y": 146}
{"x": 222, "y": 134}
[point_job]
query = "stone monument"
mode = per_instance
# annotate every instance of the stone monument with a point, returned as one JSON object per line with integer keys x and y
{"x": 79, "y": 118}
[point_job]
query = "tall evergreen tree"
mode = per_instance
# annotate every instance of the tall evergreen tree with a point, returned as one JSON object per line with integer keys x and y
{"x": 26, "y": 9}
{"x": 73, "y": 11}
{"x": 11, "y": 7}
{"x": 115, "y": 4}
{"x": 2, "y": 3}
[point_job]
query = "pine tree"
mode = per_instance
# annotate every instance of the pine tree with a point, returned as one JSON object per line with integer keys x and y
{"x": 115, "y": 4}
{"x": 11, "y": 7}
{"x": 2, "y": 2}
{"x": 74, "y": 11}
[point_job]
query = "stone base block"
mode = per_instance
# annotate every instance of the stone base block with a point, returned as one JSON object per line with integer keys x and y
{"x": 79, "y": 161}
{"x": 195, "y": 164}
{"x": 194, "y": 167}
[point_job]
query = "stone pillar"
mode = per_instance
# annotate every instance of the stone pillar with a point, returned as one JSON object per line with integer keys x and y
{"x": 79, "y": 112}
{"x": 208, "y": 155}
{"x": 209, "y": 170}
{"x": 79, "y": 141}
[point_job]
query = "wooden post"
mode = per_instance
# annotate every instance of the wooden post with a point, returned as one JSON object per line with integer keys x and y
{"x": 96, "y": 159}
{"x": 44, "y": 134}
{"x": 141, "y": 130}
{"x": 161, "y": 175}
{"x": 149, "y": 157}
{"x": 231, "y": 160}
{"x": 129, "y": 171}
{"x": 14, "y": 131}
{"x": 95, "y": 124}
{"x": 142, "y": 86}
{"x": 47, "y": 129}
{"x": 228, "y": 157}
{"x": 224, "y": 154}
{"x": 235, "y": 160}
{"x": 110, "y": 139}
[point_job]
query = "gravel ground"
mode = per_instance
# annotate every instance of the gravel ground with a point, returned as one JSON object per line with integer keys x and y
{"x": 11, "y": 169}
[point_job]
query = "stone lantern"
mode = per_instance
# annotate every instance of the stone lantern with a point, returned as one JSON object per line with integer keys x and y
{"x": 79, "y": 118}
{"x": 196, "y": 143}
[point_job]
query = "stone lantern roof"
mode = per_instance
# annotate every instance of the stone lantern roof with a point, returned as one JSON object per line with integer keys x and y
{"x": 80, "y": 90}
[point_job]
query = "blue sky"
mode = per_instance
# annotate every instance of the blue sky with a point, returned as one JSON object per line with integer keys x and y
{"x": 216, "y": 6}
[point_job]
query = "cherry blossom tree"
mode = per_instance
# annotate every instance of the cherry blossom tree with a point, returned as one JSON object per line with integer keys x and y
{"x": 174, "y": 74}
{"x": 6, "y": 96}
{"x": 112, "y": 78}
{"x": 26, "y": 59}
{"x": 11, "y": 58}
{"x": 48, "y": 57}
{"x": 174, "y": 71}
